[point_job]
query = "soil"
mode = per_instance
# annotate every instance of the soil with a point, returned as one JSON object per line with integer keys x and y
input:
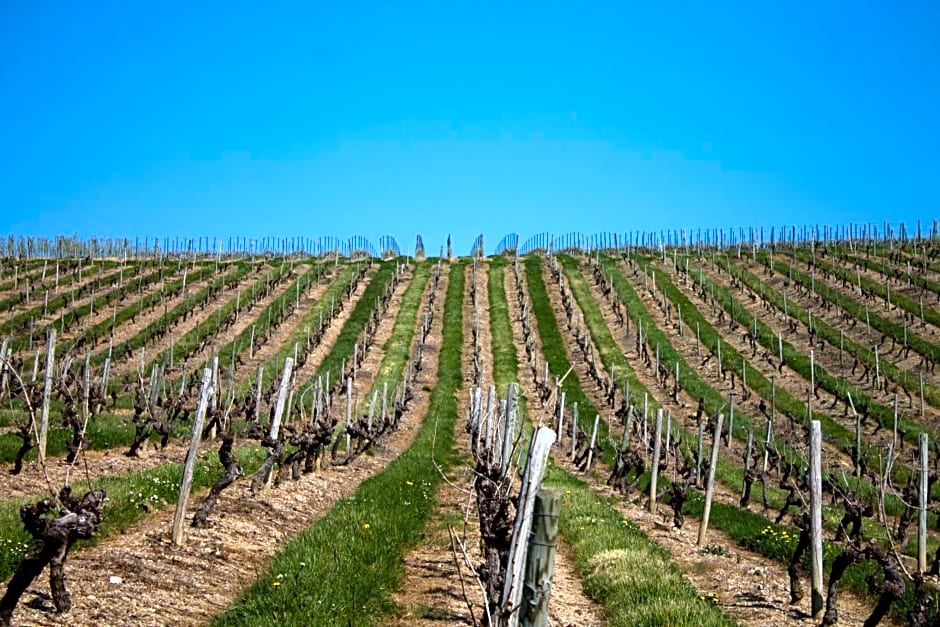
{"x": 750, "y": 588}
{"x": 140, "y": 578}
{"x": 441, "y": 586}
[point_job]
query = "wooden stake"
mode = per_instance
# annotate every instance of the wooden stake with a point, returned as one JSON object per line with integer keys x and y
{"x": 590, "y": 455}
{"x": 540, "y": 561}
{"x": 815, "y": 512}
{"x": 747, "y": 455}
{"x": 542, "y": 440}
{"x": 47, "y": 392}
{"x": 187, "y": 482}
{"x": 923, "y": 495}
{"x": 654, "y": 473}
{"x": 282, "y": 392}
{"x": 710, "y": 485}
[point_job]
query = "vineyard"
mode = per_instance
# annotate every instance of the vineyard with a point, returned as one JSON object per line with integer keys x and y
{"x": 622, "y": 429}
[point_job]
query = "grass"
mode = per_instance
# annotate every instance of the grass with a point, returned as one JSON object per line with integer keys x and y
{"x": 349, "y": 335}
{"x": 242, "y": 342}
{"x": 553, "y": 348}
{"x": 633, "y": 578}
{"x": 906, "y": 303}
{"x": 342, "y": 570}
{"x": 234, "y": 273}
{"x": 397, "y": 348}
{"x": 130, "y": 497}
{"x": 63, "y": 299}
{"x": 747, "y": 527}
{"x": 857, "y": 309}
{"x": 832, "y": 336}
{"x": 317, "y": 311}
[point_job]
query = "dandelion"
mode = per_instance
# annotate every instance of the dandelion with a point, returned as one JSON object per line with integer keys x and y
{"x": 365, "y": 525}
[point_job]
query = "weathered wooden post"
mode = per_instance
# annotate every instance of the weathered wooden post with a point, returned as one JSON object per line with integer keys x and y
{"x": 710, "y": 485}
{"x": 747, "y": 459}
{"x": 187, "y": 481}
{"x": 47, "y": 392}
{"x": 815, "y": 517}
{"x": 590, "y": 455}
{"x": 540, "y": 561}
{"x": 698, "y": 457}
{"x": 278, "y": 412}
{"x": 574, "y": 430}
{"x": 654, "y": 473}
{"x": 542, "y": 440}
{"x": 857, "y": 457}
{"x": 730, "y": 419}
{"x": 258, "y": 381}
{"x": 923, "y": 494}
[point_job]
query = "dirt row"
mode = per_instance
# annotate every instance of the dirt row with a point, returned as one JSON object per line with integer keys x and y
{"x": 751, "y": 588}
{"x": 440, "y": 585}
{"x": 140, "y": 578}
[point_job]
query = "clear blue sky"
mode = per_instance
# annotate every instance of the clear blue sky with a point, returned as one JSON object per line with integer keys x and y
{"x": 342, "y": 118}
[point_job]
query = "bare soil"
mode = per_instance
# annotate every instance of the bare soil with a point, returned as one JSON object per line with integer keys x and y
{"x": 140, "y": 578}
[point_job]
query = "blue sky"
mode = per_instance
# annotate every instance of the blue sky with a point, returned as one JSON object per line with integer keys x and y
{"x": 289, "y": 119}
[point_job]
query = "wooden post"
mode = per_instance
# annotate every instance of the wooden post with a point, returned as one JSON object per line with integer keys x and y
{"x": 710, "y": 485}
{"x": 542, "y": 440}
{"x": 720, "y": 370}
{"x": 921, "y": 393}
{"x": 747, "y": 457}
{"x": 698, "y": 459}
{"x": 894, "y": 437}
{"x": 540, "y": 561}
{"x": 349, "y": 384}
{"x": 770, "y": 426}
{"x": 590, "y": 455}
{"x": 574, "y": 430}
{"x": 47, "y": 392}
{"x": 187, "y": 482}
{"x": 258, "y": 380}
{"x": 654, "y": 473}
{"x": 815, "y": 517}
{"x": 279, "y": 410}
{"x": 858, "y": 437}
{"x": 922, "y": 510}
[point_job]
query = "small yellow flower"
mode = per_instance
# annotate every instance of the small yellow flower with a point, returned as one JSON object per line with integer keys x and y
{"x": 365, "y": 526}
{"x": 276, "y": 584}
{"x": 409, "y": 483}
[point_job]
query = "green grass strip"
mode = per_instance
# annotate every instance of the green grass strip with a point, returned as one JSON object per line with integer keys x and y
{"x": 33, "y": 270}
{"x": 72, "y": 316}
{"x": 342, "y": 570}
{"x": 233, "y": 274}
{"x": 884, "y": 267}
{"x": 800, "y": 363}
{"x": 397, "y": 348}
{"x": 209, "y": 325}
{"x": 634, "y": 579}
{"x": 797, "y": 361}
{"x": 893, "y": 329}
{"x": 242, "y": 342}
{"x": 732, "y": 360}
{"x": 318, "y": 311}
{"x": 349, "y": 335}
{"x": 746, "y": 527}
{"x": 553, "y": 349}
{"x": 130, "y": 496}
